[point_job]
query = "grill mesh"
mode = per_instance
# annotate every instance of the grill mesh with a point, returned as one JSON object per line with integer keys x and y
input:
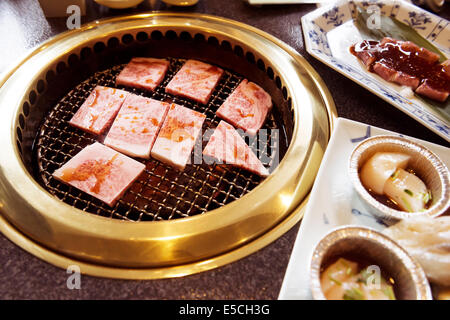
{"x": 161, "y": 192}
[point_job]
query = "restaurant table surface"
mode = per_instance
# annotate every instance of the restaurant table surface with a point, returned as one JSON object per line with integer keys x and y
{"x": 258, "y": 276}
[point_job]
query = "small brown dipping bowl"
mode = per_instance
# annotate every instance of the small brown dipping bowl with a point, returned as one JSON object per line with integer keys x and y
{"x": 433, "y": 172}
{"x": 369, "y": 246}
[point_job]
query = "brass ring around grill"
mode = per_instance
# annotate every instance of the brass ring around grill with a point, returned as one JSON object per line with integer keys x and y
{"x": 63, "y": 235}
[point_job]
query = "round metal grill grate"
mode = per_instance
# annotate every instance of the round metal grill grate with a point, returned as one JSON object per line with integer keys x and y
{"x": 161, "y": 192}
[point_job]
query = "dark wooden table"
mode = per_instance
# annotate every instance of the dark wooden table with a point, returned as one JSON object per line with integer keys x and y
{"x": 259, "y": 276}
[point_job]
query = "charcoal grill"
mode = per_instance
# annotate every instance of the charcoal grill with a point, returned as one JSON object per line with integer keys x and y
{"x": 169, "y": 223}
{"x": 161, "y": 193}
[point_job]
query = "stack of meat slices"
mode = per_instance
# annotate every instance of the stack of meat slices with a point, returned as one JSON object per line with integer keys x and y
{"x": 143, "y": 127}
{"x": 407, "y": 64}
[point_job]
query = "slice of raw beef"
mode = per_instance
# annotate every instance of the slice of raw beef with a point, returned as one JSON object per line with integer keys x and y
{"x": 226, "y": 145}
{"x": 177, "y": 136}
{"x": 99, "y": 110}
{"x": 144, "y": 73}
{"x": 246, "y": 107}
{"x": 101, "y": 172}
{"x": 136, "y": 126}
{"x": 195, "y": 80}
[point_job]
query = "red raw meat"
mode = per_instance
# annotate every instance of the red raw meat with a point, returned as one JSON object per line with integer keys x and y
{"x": 246, "y": 107}
{"x": 384, "y": 71}
{"x": 99, "y": 110}
{"x": 426, "y": 90}
{"x": 101, "y": 172}
{"x": 136, "y": 126}
{"x": 226, "y": 145}
{"x": 366, "y": 51}
{"x": 406, "y": 80}
{"x": 177, "y": 136}
{"x": 144, "y": 73}
{"x": 195, "y": 80}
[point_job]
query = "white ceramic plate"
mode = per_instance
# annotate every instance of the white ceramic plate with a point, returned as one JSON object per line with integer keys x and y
{"x": 329, "y": 31}
{"x": 334, "y": 203}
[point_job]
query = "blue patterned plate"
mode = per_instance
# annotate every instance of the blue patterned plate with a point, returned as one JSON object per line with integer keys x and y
{"x": 333, "y": 202}
{"x": 329, "y": 31}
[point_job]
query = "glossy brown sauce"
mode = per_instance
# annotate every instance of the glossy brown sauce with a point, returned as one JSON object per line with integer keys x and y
{"x": 383, "y": 199}
{"x": 405, "y": 60}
